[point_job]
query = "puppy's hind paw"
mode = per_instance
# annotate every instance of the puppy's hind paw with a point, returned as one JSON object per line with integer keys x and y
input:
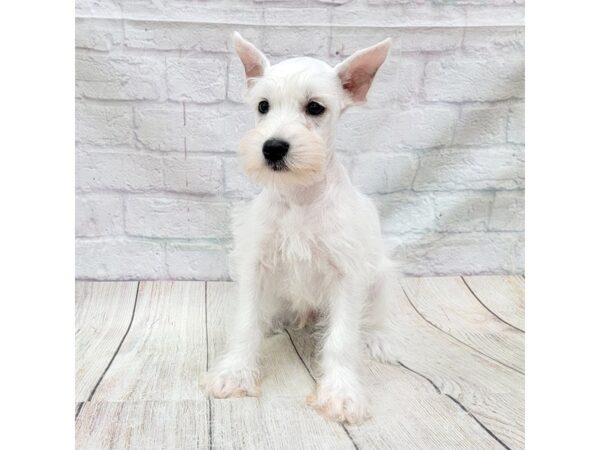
{"x": 231, "y": 384}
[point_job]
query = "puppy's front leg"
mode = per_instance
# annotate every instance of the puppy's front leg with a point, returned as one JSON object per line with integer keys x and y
{"x": 340, "y": 393}
{"x": 236, "y": 372}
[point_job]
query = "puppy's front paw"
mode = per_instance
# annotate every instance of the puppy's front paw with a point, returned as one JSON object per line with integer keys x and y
{"x": 234, "y": 383}
{"x": 339, "y": 406}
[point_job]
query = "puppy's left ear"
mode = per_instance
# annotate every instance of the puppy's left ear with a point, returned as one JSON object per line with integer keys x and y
{"x": 254, "y": 61}
{"x": 357, "y": 72}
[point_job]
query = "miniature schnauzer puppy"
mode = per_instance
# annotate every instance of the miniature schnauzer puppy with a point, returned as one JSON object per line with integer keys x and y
{"x": 309, "y": 245}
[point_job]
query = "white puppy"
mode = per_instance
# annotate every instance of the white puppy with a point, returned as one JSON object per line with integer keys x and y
{"x": 309, "y": 245}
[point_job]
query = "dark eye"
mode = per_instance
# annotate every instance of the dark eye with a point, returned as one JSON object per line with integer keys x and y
{"x": 263, "y": 107}
{"x": 314, "y": 109}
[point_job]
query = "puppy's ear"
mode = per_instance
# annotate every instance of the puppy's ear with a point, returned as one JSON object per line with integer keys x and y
{"x": 255, "y": 63}
{"x": 357, "y": 71}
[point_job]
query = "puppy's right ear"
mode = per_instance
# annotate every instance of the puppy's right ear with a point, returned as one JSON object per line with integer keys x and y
{"x": 255, "y": 63}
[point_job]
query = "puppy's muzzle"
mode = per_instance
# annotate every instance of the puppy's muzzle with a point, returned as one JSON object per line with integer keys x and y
{"x": 274, "y": 150}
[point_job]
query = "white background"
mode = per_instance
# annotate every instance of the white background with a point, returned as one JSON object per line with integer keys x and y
{"x": 159, "y": 113}
{"x": 36, "y": 323}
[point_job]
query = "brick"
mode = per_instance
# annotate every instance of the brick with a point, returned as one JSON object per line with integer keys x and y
{"x": 481, "y": 125}
{"x": 197, "y": 261}
{"x": 186, "y": 11}
{"x": 430, "y": 39}
{"x": 104, "y": 125}
{"x": 176, "y": 218}
{"x": 198, "y": 80}
{"x": 493, "y": 38}
{"x": 98, "y": 34}
{"x": 296, "y": 41}
{"x": 292, "y": 3}
{"x": 185, "y": 36}
{"x": 119, "y": 259}
{"x": 207, "y": 129}
{"x": 391, "y": 2}
{"x": 405, "y": 212}
{"x": 462, "y": 211}
{"x": 237, "y": 183}
{"x": 335, "y": 2}
{"x": 398, "y": 81}
{"x": 487, "y": 77}
{"x": 100, "y": 8}
{"x": 362, "y": 130}
{"x": 495, "y": 16}
{"x": 458, "y": 253}
{"x": 412, "y": 15}
{"x": 384, "y": 172}
{"x": 498, "y": 167}
{"x": 296, "y": 16}
{"x": 98, "y": 215}
{"x": 476, "y": 2}
{"x": 508, "y": 213}
{"x": 120, "y": 78}
{"x": 345, "y": 41}
{"x": 160, "y": 128}
{"x": 438, "y": 145}
{"x": 202, "y": 175}
{"x": 217, "y": 129}
{"x": 516, "y": 124}
{"x": 236, "y": 86}
{"x": 120, "y": 171}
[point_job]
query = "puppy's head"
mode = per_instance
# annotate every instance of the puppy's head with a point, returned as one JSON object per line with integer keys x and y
{"x": 298, "y": 102}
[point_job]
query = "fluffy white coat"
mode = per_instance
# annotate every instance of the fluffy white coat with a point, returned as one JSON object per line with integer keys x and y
{"x": 309, "y": 246}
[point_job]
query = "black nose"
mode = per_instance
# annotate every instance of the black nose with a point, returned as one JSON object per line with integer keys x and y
{"x": 275, "y": 149}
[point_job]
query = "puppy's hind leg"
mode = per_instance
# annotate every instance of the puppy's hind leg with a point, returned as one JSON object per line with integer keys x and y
{"x": 382, "y": 331}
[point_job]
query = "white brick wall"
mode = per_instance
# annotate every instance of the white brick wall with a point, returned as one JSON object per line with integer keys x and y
{"x": 440, "y": 146}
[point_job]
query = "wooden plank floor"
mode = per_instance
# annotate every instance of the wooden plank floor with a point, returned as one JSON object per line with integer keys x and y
{"x": 142, "y": 349}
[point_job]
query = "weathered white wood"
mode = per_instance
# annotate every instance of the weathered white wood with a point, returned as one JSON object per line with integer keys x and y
{"x": 407, "y": 411}
{"x": 150, "y": 396}
{"x": 503, "y": 295}
{"x": 102, "y": 313}
{"x": 164, "y": 354}
{"x": 279, "y": 418}
{"x": 493, "y": 393}
{"x": 142, "y": 425}
{"x": 449, "y": 305}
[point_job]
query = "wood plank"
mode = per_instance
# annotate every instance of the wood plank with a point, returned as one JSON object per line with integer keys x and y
{"x": 493, "y": 393}
{"x": 102, "y": 314}
{"x": 164, "y": 354}
{"x": 407, "y": 410}
{"x": 142, "y": 425}
{"x": 448, "y": 304}
{"x": 279, "y": 418}
{"x": 503, "y": 295}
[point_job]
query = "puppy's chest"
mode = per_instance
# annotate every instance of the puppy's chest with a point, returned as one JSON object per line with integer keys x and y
{"x": 296, "y": 240}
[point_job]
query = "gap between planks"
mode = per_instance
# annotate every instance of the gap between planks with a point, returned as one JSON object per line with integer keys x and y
{"x": 208, "y": 342}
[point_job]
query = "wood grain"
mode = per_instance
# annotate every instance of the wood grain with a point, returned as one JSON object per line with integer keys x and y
{"x": 279, "y": 418}
{"x": 102, "y": 313}
{"x": 493, "y": 393}
{"x": 449, "y": 305}
{"x": 443, "y": 394}
{"x": 503, "y": 295}
{"x": 407, "y": 410}
{"x": 163, "y": 356}
{"x": 144, "y": 425}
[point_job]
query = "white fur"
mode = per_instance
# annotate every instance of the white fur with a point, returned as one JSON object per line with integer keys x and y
{"x": 309, "y": 245}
